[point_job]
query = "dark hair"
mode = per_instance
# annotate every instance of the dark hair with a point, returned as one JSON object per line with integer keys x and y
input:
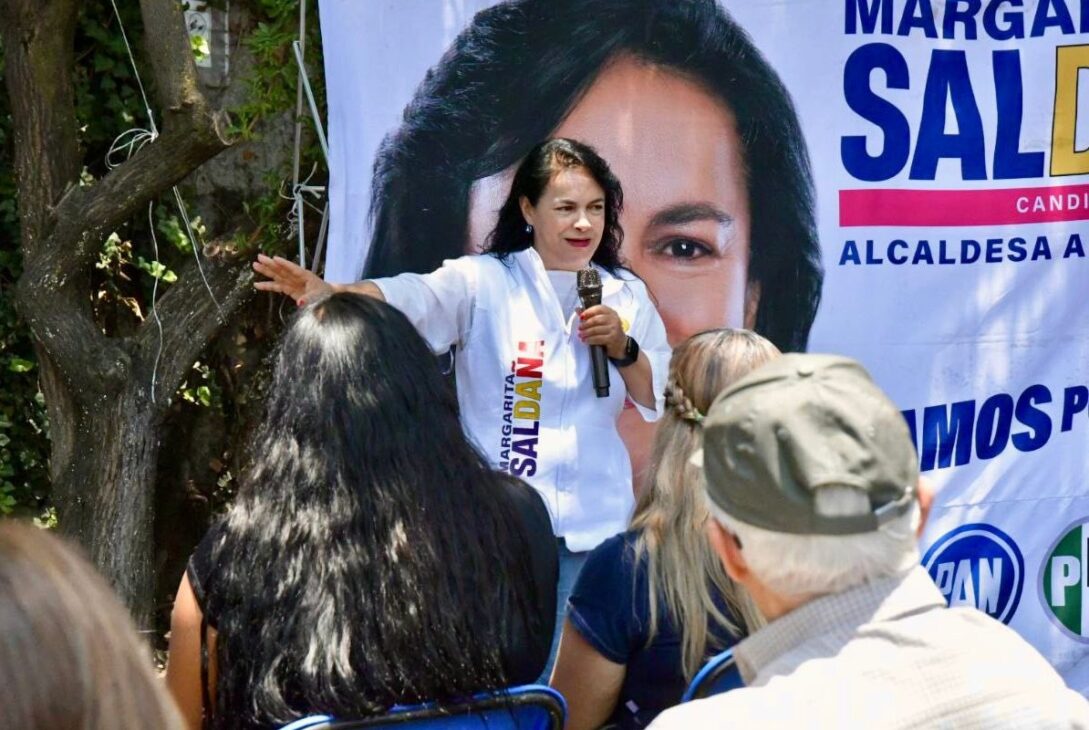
{"x": 367, "y": 560}
{"x": 512, "y": 76}
{"x": 70, "y": 656}
{"x": 537, "y": 169}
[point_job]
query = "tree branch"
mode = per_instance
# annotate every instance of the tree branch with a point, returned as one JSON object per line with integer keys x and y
{"x": 38, "y": 37}
{"x": 191, "y": 319}
{"x": 166, "y": 42}
{"x": 192, "y": 134}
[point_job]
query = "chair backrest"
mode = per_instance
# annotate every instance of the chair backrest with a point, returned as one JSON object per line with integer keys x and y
{"x": 718, "y": 675}
{"x": 528, "y": 707}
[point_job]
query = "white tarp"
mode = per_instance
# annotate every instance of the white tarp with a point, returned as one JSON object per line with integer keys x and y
{"x": 949, "y": 146}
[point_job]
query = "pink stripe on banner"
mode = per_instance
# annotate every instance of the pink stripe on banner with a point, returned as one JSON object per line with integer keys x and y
{"x": 1008, "y": 206}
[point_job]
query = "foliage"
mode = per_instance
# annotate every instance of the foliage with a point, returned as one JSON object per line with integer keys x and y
{"x": 146, "y": 254}
{"x": 272, "y": 89}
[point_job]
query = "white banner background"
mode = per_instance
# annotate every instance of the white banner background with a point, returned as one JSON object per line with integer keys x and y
{"x": 931, "y": 334}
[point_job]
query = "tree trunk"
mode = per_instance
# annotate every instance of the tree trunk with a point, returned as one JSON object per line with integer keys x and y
{"x": 105, "y": 414}
{"x": 103, "y": 493}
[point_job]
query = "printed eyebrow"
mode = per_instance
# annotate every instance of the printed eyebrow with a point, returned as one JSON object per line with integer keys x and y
{"x": 569, "y": 201}
{"x": 678, "y": 215}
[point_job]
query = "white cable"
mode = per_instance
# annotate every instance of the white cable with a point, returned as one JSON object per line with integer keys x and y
{"x": 196, "y": 255}
{"x": 132, "y": 60}
{"x": 154, "y": 294}
{"x": 130, "y": 142}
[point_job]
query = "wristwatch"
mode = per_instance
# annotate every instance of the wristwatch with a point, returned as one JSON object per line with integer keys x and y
{"x": 631, "y": 354}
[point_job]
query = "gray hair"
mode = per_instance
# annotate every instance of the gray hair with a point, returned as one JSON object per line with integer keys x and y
{"x": 799, "y": 565}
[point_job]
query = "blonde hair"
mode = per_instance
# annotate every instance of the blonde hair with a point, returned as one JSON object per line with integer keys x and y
{"x": 671, "y": 513}
{"x": 70, "y": 656}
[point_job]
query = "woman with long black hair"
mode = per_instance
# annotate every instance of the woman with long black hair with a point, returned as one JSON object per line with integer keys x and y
{"x": 371, "y": 557}
{"x": 523, "y": 377}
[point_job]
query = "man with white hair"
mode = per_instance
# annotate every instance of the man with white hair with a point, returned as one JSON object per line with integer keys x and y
{"x": 813, "y": 483}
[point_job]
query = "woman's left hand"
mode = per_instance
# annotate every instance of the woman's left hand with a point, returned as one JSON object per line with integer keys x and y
{"x": 600, "y": 325}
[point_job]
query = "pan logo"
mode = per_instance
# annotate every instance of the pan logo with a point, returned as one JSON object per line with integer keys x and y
{"x": 980, "y": 566}
{"x": 1064, "y": 584}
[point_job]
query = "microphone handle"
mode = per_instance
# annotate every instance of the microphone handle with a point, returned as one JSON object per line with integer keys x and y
{"x": 600, "y": 366}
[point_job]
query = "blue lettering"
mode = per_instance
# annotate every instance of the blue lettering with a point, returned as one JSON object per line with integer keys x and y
{"x": 969, "y": 251}
{"x": 881, "y": 112}
{"x": 860, "y": 10}
{"x": 893, "y": 257}
{"x": 917, "y": 14}
{"x": 1041, "y": 249}
{"x": 1015, "y": 23}
{"x": 993, "y": 425}
{"x": 1009, "y": 161}
{"x": 528, "y": 430}
{"x": 1017, "y": 249}
{"x": 1034, "y": 418}
{"x": 870, "y": 257}
{"x": 1075, "y": 399}
{"x": 1073, "y": 247}
{"x": 967, "y": 17}
{"x": 994, "y": 250}
{"x": 922, "y": 253}
{"x": 943, "y": 257}
{"x": 948, "y": 79}
{"x": 850, "y": 253}
{"x": 1044, "y": 19}
{"x": 945, "y": 431}
{"x": 526, "y": 447}
{"x": 523, "y": 467}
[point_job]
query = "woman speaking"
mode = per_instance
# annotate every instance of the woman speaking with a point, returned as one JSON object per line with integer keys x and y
{"x": 523, "y": 370}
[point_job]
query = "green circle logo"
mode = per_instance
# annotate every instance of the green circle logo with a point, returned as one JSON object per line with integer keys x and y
{"x": 1064, "y": 583}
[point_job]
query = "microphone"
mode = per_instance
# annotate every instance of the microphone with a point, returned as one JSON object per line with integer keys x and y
{"x": 589, "y": 290}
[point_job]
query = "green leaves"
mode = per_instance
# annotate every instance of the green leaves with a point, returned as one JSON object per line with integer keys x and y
{"x": 17, "y": 364}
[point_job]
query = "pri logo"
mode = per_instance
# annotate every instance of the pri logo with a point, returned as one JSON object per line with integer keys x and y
{"x": 978, "y": 565}
{"x": 1064, "y": 583}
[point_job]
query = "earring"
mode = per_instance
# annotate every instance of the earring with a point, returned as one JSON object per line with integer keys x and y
{"x": 529, "y": 228}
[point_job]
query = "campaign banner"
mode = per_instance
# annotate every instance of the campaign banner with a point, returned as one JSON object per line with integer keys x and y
{"x": 902, "y": 181}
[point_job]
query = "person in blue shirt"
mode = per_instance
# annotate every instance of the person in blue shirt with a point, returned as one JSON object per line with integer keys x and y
{"x": 652, "y": 604}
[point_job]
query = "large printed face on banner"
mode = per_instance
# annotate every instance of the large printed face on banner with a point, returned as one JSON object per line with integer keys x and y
{"x": 686, "y": 204}
{"x": 696, "y": 124}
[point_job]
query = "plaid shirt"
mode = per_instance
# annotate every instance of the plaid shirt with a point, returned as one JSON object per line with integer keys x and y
{"x": 887, "y": 654}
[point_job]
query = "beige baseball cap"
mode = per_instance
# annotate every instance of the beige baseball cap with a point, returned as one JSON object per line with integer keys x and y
{"x": 797, "y": 424}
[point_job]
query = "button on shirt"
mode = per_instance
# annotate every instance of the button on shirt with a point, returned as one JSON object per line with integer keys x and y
{"x": 887, "y": 654}
{"x": 524, "y": 385}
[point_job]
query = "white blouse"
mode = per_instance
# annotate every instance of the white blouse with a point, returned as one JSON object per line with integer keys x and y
{"x": 524, "y": 383}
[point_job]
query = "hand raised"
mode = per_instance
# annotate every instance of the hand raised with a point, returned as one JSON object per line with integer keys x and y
{"x": 289, "y": 278}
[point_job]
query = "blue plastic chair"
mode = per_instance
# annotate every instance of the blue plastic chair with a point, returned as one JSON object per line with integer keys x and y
{"x": 718, "y": 675}
{"x": 528, "y": 707}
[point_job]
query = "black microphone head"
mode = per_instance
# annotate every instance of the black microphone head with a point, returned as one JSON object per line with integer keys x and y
{"x": 588, "y": 282}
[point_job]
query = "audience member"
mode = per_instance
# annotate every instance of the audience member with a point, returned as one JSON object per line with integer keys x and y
{"x": 812, "y": 478}
{"x": 652, "y": 604}
{"x": 70, "y": 657}
{"x": 371, "y": 557}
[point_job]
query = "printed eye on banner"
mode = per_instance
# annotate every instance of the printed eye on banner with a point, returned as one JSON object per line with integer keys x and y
{"x": 1064, "y": 581}
{"x": 980, "y": 566}
{"x": 916, "y": 139}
